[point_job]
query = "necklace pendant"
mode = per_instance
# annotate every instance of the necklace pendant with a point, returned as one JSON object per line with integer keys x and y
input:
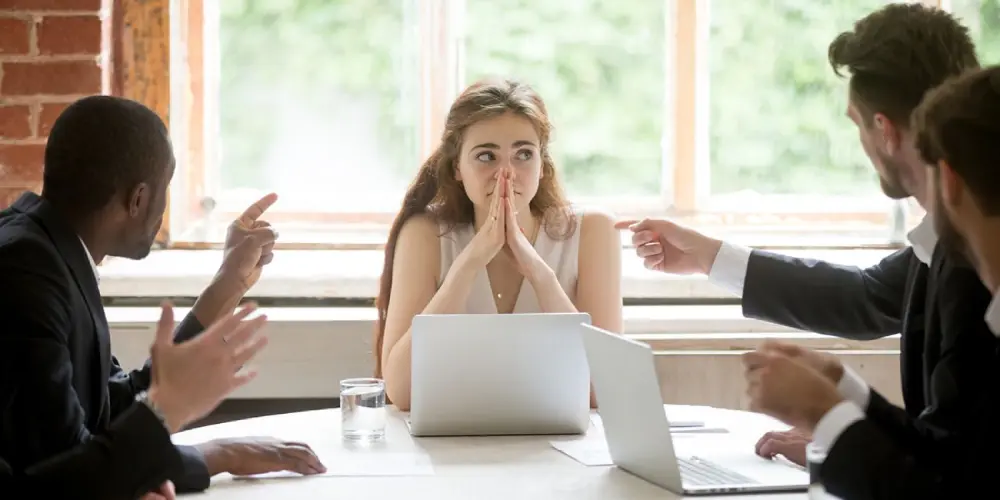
{"x": 499, "y": 296}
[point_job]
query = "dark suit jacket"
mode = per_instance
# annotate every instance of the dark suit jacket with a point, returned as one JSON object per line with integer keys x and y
{"x": 867, "y": 462}
{"x": 948, "y": 355}
{"x": 60, "y": 384}
{"x": 134, "y": 456}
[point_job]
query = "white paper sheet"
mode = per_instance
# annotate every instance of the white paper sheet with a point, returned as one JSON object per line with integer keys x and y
{"x": 679, "y": 416}
{"x": 365, "y": 464}
{"x": 676, "y": 427}
{"x": 592, "y": 451}
{"x": 589, "y": 452}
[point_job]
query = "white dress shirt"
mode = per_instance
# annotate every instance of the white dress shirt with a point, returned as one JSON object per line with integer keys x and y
{"x": 729, "y": 272}
{"x": 93, "y": 265}
{"x": 993, "y": 314}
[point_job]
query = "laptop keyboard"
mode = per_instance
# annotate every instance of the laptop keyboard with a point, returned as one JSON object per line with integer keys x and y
{"x": 700, "y": 472}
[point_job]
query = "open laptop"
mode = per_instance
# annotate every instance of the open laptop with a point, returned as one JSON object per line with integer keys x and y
{"x": 499, "y": 374}
{"x": 638, "y": 432}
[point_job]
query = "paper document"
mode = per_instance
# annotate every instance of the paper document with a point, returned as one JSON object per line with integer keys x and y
{"x": 592, "y": 451}
{"x": 589, "y": 452}
{"x": 686, "y": 426}
{"x": 346, "y": 463}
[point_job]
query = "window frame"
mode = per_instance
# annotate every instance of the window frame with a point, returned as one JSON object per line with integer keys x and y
{"x": 177, "y": 80}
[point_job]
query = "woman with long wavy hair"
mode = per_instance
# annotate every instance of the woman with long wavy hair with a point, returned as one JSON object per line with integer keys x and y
{"x": 485, "y": 228}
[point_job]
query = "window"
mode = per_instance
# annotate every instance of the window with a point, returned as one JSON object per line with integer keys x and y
{"x": 982, "y": 17}
{"x": 723, "y": 113}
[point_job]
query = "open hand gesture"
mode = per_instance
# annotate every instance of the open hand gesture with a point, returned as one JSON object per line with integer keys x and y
{"x": 191, "y": 378}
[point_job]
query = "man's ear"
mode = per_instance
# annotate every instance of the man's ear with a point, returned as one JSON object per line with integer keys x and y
{"x": 950, "y": 185}
{"x": 138, "y": 199}
{"x": 888, "y": 132}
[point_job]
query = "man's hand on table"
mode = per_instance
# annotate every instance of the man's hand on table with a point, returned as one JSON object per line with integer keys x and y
{"x": 259, "y": 455}
{"x": 790, "y": 444}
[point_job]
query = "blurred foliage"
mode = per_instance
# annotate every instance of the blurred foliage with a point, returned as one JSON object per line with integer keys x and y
{"x": 775, "y": 119}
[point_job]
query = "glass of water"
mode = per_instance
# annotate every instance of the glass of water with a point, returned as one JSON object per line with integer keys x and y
{"x": 362, "y": 409}
{"x": 815, "y": 456}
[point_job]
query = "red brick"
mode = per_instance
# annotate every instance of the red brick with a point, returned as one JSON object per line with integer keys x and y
{"x": 15, "y": 122}
{"x": 93, "y": 5}
{"x": 55, "y": 78}
{"x": 69, "y": 35}
{"x": 14, "y": 36}
{"x": 10, "y": 194}
{"x": 50, "y": 111}
{"x": 21, "y": 164}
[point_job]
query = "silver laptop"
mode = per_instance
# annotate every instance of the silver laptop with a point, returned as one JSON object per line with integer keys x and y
{"x": 638, "y": 432}
{"x": 498, "y": 374}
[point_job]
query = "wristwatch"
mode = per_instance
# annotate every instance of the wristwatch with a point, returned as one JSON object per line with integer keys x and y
{"x": 143, "y": 398}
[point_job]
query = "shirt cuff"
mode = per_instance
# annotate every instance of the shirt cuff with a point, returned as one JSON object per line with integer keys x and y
{"x": 835, "y": 422}
{"x": 993, "y": 314}
{"x": 854, "y": 388}
{"x": 729, "y": 270}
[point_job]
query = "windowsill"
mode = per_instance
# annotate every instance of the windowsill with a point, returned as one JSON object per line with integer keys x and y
{"x": 354, "y": 274}
{"x": 664, "y": 328}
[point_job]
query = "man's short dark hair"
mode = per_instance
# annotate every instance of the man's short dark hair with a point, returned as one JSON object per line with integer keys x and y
{"x": 959, "y": 122}
{"x": 101, "y": 146}
{"x": 896, "y": 54}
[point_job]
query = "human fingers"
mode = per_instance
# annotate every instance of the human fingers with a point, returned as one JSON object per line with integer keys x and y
{"x": 501, "y": 200}
{"x": 653, "y": 262}
{"x": 649, "y": 249}
{"x": 760, "y": 443}
{"x": 495, "y": 202}
{"x": 267, "y": 250}
{"x": 257, "y": 209}
{"x": 164, "y": 492}
{"x": 224, "y": 327}
{"x": 626, "y": 224}
{"x": 510, "y": 218}
{"x": 246, "y": 352}
{"x": 643, "y": 237}
{"x": 754, "y": 360}
{"x": 242, "y": 378}
{"x": 263, "y": 235}
{"x": 302, "y": 459}
{"x": 656, "y": 225}
{"x": 786, "y": 446}
{"x": 782, "y": 348}
{"x": 165, "y": 326}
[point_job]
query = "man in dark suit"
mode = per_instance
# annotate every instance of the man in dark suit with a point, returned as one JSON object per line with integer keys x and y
{"x": 108, "y": 162}
{"x": 135, "y": 454}
{"x": 894, "y": 56}
{"x": 956, "y": 129}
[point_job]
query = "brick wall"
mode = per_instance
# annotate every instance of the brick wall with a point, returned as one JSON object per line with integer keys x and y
{"x": 51, "y": 53}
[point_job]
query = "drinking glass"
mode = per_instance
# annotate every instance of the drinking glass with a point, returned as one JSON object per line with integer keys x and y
{"x": 362, "y": 409}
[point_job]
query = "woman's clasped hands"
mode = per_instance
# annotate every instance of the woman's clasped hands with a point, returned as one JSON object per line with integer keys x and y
{"x": 502, "y": 231}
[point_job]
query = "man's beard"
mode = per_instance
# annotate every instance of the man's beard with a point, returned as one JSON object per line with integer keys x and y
{"x": 891, "y": 183}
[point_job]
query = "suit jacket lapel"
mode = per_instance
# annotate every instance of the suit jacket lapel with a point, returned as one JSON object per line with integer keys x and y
{"x": 71, "y": 249}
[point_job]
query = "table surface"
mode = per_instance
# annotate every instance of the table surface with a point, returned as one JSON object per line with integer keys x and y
{"x": 516, "y": 467}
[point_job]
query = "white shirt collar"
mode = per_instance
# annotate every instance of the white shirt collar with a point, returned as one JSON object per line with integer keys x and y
{"x": 993, "y": 314}
{"x": 93, "y": 265}
{"x": 923, "y": 239}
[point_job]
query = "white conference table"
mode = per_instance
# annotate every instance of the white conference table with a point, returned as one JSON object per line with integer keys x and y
{"x": 484, "y": 468}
